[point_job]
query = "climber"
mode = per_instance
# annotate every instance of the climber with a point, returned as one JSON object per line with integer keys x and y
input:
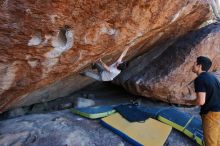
{"x": 105, "y": 72}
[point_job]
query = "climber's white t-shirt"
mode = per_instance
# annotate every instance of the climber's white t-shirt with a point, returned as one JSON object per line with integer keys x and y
{"x": 112, "y": 73}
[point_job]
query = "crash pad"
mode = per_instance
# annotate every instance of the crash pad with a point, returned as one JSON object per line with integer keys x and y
{"x": 184, "y": 122}
{"x": 149, "y": 133}
{"x": 94, "y": 112}
{"x": 131, "y": 113}
{"x": 194, "y": 130}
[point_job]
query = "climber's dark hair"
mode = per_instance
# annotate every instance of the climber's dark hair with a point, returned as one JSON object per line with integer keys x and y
{"x": 122, "y": 66}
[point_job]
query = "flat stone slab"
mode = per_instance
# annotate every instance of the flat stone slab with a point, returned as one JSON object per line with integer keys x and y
{"x": 60, "y": 128}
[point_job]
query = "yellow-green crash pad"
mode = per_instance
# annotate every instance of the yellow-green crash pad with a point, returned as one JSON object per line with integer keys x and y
{"x": 148, "y": 133}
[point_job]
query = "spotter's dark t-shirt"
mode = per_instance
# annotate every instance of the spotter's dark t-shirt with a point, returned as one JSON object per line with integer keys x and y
{"x": 207, "y": 82}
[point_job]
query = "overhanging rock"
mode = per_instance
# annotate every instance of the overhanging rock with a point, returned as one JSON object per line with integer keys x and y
{"x": 169, "y": 77}
{"x": 45, "y": 43}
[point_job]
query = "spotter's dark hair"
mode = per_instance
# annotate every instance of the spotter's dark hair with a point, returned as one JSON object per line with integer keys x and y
{"x": 205, "y": 62}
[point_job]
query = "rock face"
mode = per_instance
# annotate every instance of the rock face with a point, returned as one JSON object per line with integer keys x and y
{"x": 169, "y": 76}
{"x": 44, "y": 44}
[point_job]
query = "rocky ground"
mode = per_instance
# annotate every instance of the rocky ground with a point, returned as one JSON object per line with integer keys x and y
{"x": 53, "y": 124}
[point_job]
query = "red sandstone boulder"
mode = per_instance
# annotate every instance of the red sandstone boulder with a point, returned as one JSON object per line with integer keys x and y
{"x": 169, "y": 77}
{"x": 44, "y": 44}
